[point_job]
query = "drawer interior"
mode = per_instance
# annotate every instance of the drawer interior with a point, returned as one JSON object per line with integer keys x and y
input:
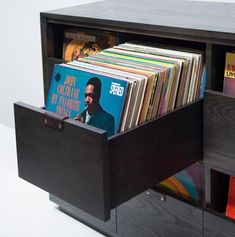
{"x": 80, "y": 165}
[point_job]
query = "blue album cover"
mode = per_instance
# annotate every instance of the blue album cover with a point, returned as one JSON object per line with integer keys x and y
{"x": 91, "y": 98}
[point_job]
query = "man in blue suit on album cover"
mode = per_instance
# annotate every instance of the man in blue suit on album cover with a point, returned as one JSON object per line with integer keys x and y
{"x": 93, "y": 114}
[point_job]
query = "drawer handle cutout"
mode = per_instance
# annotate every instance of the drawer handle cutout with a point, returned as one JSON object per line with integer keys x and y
{"x": 53, "y": 120}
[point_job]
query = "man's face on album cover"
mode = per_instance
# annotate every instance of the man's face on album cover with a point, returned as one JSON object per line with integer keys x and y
{"x": 90, "y": 99}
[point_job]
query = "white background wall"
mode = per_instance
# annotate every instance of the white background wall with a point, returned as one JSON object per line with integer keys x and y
{"x": 20, "y": 52}
{"x": 20, "y": 48}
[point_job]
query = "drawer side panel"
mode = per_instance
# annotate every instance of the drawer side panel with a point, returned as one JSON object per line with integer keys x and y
{"x": 155, "y": 151}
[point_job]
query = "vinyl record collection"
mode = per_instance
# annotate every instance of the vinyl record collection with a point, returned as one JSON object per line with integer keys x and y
{"x": 159, "y": 79}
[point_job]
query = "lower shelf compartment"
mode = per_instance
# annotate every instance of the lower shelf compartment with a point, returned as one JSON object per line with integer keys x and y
{"x": 217, "y": 225}
{"x": 217, "y": 187}
{"x": 155, "y": 215}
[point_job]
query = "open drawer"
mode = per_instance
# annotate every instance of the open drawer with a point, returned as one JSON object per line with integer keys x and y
{"x": 219, "y": 127}
{"x": 80, "y": 165}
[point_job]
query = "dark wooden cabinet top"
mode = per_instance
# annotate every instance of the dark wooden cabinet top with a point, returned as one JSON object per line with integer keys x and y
{"x": 207, "y": 20}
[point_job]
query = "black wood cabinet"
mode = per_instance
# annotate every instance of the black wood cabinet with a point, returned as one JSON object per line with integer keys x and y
{"x": 158, "y": 215}
{"x": 111, "y": 185}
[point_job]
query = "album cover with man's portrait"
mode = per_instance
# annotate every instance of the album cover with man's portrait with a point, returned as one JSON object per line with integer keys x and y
{"x": 91, "y": 98}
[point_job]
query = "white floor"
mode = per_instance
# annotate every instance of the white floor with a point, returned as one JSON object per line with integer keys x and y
{"x": 25, "y": 210}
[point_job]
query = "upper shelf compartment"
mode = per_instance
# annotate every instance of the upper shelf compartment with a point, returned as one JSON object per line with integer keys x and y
{"x": 53, "y": 36}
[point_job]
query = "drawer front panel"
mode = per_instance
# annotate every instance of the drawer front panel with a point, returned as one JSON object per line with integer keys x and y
{"x": 219, "y": 132}
{"x": 71, "y": 164}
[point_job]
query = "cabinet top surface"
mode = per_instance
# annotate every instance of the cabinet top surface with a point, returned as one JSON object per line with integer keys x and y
{"x": 179, "y": 14}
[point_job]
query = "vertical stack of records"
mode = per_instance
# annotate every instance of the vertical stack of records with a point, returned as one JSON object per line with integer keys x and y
{"x": 139, "y": 82}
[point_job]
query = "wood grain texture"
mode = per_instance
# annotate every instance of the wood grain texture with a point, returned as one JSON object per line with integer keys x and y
{"x": 219, "y": 132}
{"x": 71, "y": 164}
{"x": 107, "y": 228}
{"x": 218, "y": 226}
{"x": 146, "y": 215}
{"x": 189, "y": 19}
{"x": 150, "y": 153}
